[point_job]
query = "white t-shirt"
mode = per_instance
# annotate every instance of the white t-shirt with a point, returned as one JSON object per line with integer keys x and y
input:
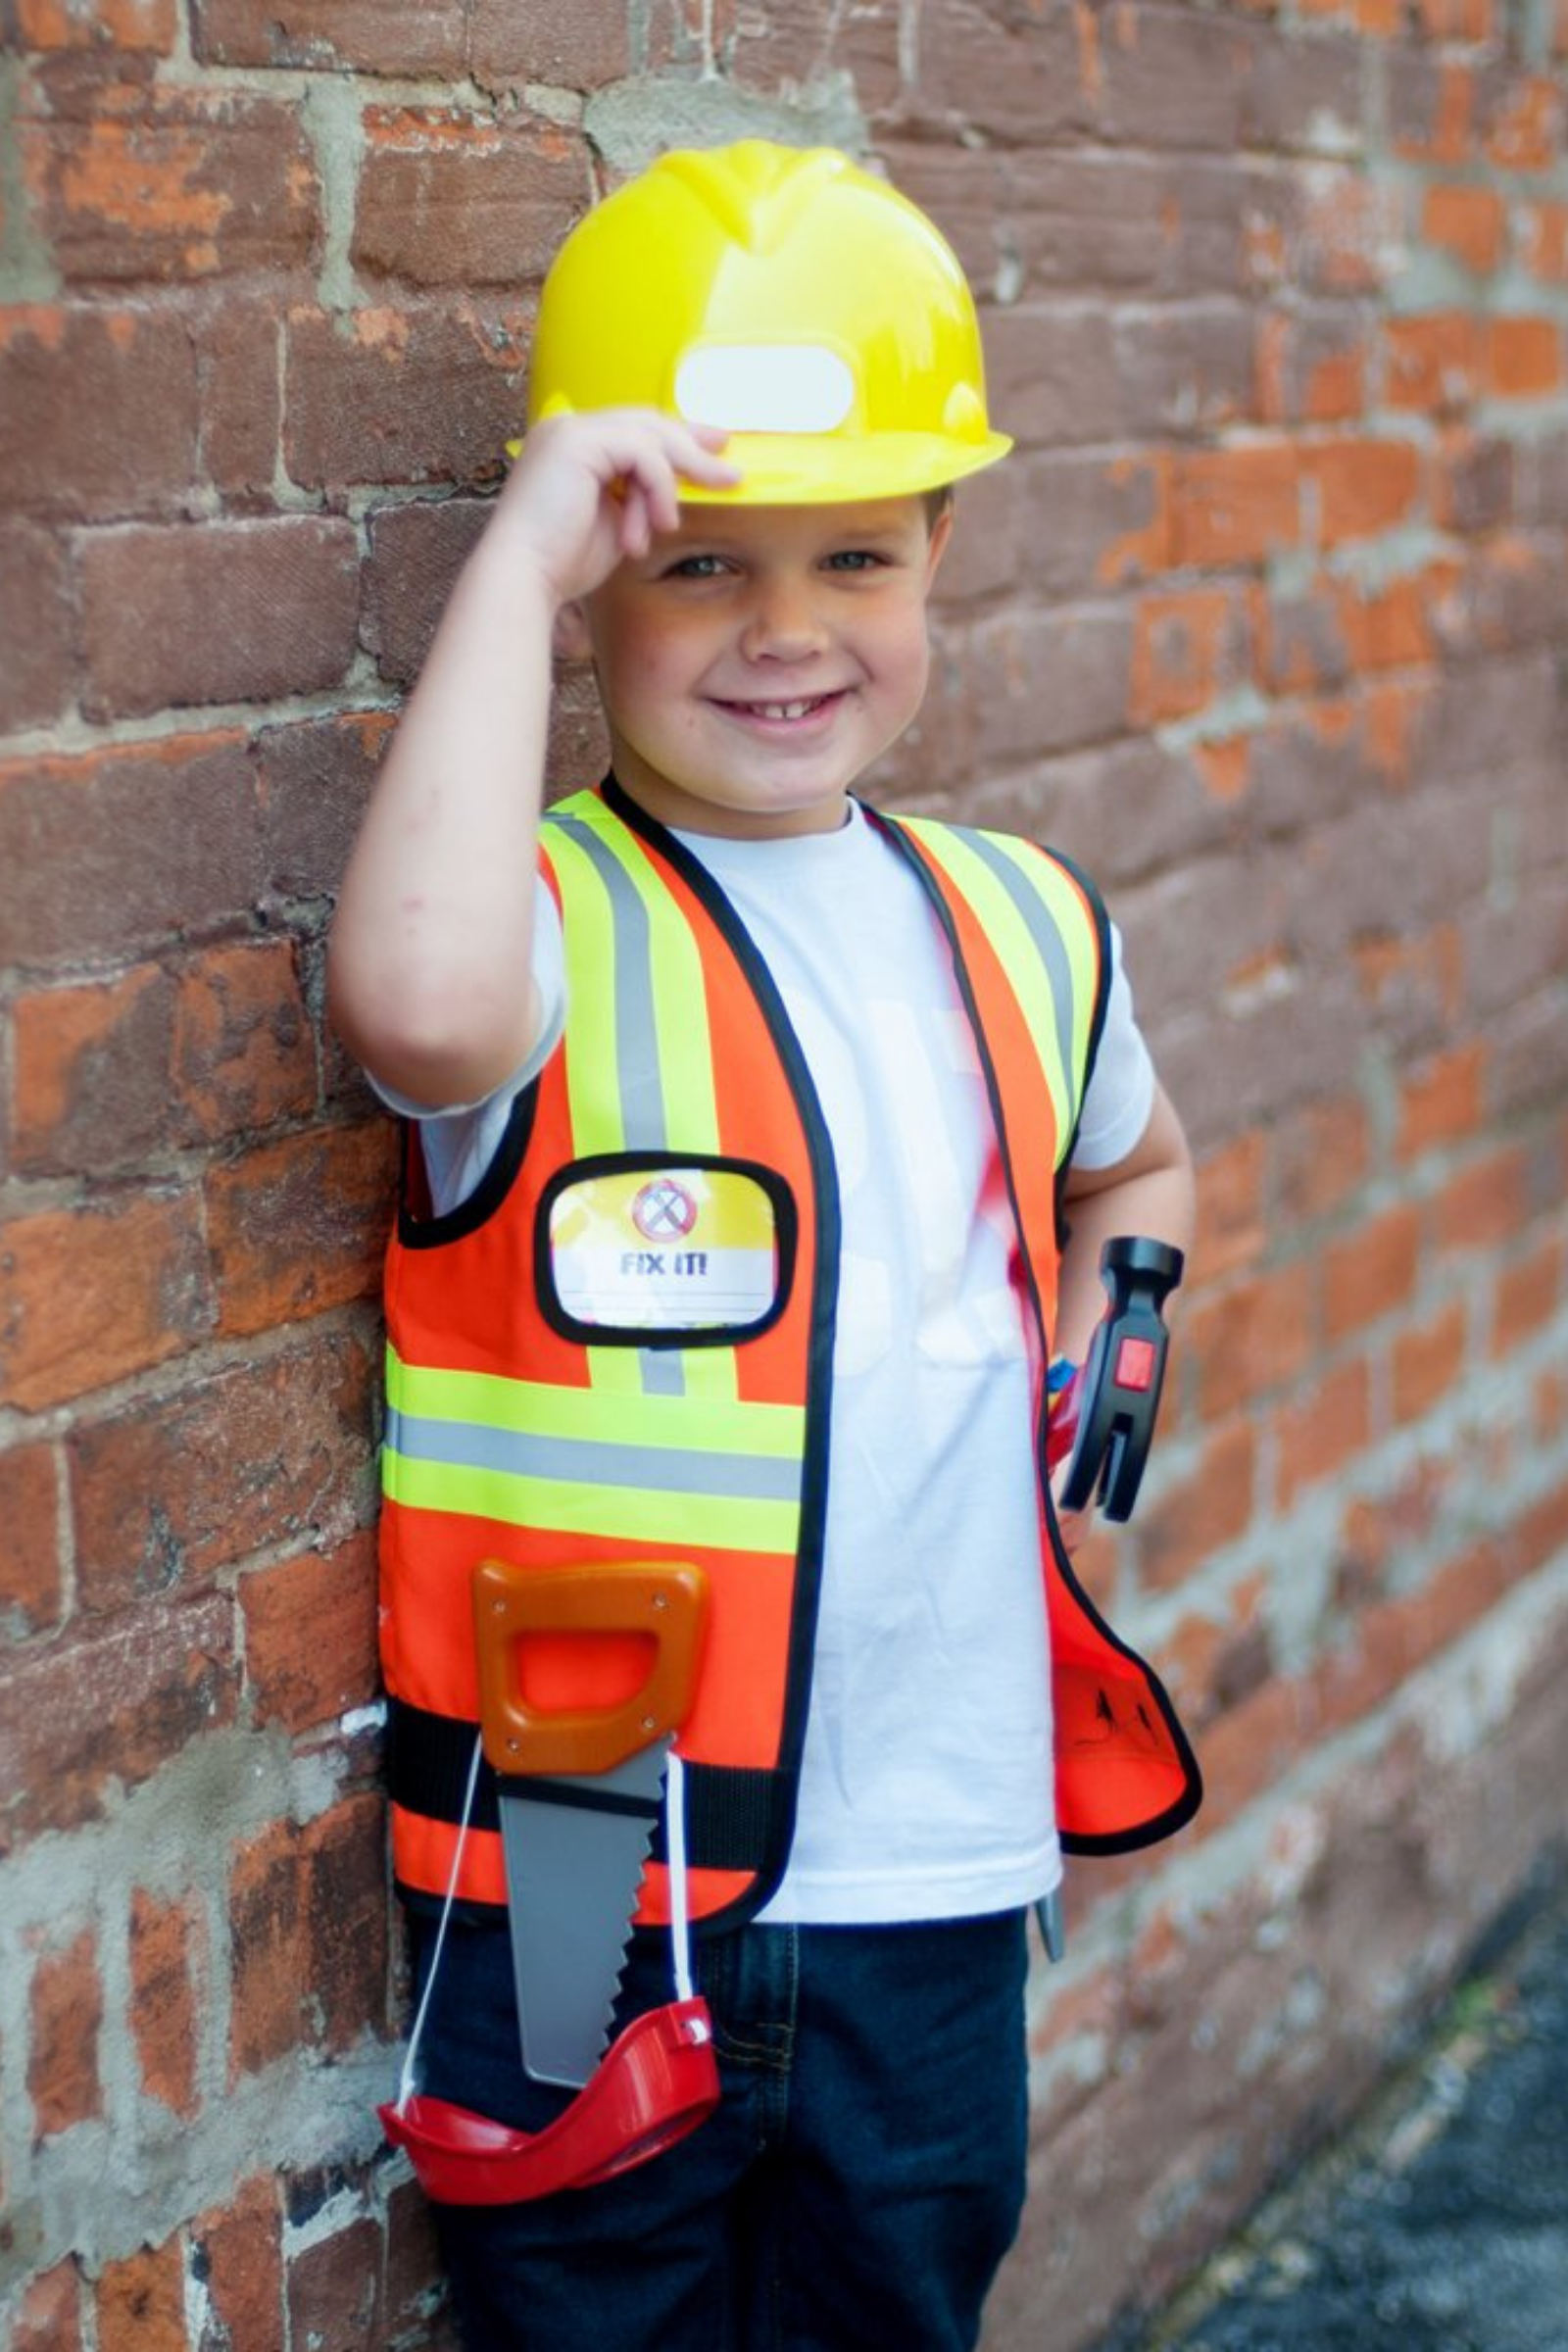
{"x": 926, "y": 1786}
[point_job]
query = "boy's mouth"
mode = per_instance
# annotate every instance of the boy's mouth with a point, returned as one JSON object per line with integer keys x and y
{"x": 802, "y": 706}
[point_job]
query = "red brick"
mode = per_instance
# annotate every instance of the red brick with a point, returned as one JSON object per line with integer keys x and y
{"x": 408, "y": 394}
{"x": 1235, "y": 505}
{"x": 50, "y": 2317}
{"x": 125, "y": 25}
{"x": 1318, "y": 1434}
{"x": 1372, "y": 1271}
{"x": 1198, "y": 1515}
{"x": 103, "y": 1709}
{"x": 1232, "y": 1214}
{"x": 1523, "y": 358}
{"x": 1006, "y": 76}
{"x": 174, "y": 1489}
{"x": 1427, "y": 1361}
{"x": 1343, "y": 233}
{"x": 374, "y": 36}
{"x": 1191, "y": 646}
{"x": 1432, "y": 363}
{"x": 61, "y": 363}
{"x": 335, "y": 2291}
{"x": 300, "y": 1226}
{"x": 1468, "y": 223}
{"x": 31, "y": 1590}
{"x": 1249, "y": 1338}
{"x": 416, "y": 554}
{"x": 141, "y": 2302}
{"x": 168, "y": 1946}
{"x": 237, "y": 2248}
{"x": 308, "y": 1913}
{"x": 316, "y": 778}
{"x": 1433, "y": 114}
{"x": 1485, "y": 1203}
{"x": 1526, "y": 133}
{"x": 1361, "y": 488}
{"x": 1526, "y": 1296}
{"x": 1469, "y": 20}
{"x": 94, "y": 1294}
{"x": 1043, "y": 682}
{"x": 108, "y": 1073}
{"x": 1443, "y": 1101}
{"x": 448, "y": 199}
{"x": 40, "y": 668}
{"x": 67, "y": 2010}
{"x": 1311, "y": 371}
{"x": 1474, "y": 486}
{"x": 311, "y": 1635}
{"x": 287, "y": 589}
{"x": 124, "y": 847}
{"x": 161, "y": 183}
{"x": 1544, "y": 241}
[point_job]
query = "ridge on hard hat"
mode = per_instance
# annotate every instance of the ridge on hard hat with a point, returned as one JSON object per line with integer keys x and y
{"x": 787, "y": 296}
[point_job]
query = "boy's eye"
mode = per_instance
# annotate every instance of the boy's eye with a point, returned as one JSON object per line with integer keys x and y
{"x": 696, "y": 568}
{"x": 856, "y": 558}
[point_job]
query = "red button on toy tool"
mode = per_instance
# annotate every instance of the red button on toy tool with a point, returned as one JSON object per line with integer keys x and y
{"x": 1135, "y": 1364}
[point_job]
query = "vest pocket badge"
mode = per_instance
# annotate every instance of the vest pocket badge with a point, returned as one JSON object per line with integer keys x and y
{"x": 689, "y": 1252}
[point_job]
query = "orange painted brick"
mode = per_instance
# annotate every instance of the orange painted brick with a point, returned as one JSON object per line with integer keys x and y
{"x": 1427, "y": 1361}
{"x": 67, "y": 2015}
{"x": 333, "y": 2290}
{"x": 1319, "y": 1434}
{"x": 311, "y": 1635}
{"x": 94, "y": 1294}
{"x": 129, "y": 25}
{"x": 1190, "y": 645}
{"x": 308, "y": 1910}
{"x": 1361, "y": 488}
{"x": 1371, "y": 1272}
{"x": 1432, "y": 363}
{"x": 1523, "y": 358}
{"x": 1390, "y": 628}
{"x": 30, "y": 1588}
{"x": 168, "y": 1942}
{"x": 1249, "y": 1338}
{"x": 239, "y": 2244}
{"x": 1471, "y": 21}
{"x": 1442, "y": 1101}
{"x": 1469, "y": 223}
{"x": 300, "y": 1226}
{"x": 1319, "y": 1159}
{"x": 1427, "y": 969}
{"x": 50, "y": 2317}
{"x": 141, "y": 2301}
{"x": 1235, "y": 505}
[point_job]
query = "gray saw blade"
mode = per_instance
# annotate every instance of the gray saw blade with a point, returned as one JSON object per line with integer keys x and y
{"x": 574, "y": 1872}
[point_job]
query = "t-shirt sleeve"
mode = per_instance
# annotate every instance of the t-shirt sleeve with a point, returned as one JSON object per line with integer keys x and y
{"x": 459, "y": 1141}
{"x": 1120, "y": 1093}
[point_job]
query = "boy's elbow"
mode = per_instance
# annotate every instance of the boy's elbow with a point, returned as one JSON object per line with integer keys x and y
{"x": 430, "y": 1046}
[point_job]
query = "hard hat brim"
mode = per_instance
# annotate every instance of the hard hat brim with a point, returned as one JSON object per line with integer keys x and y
{"x": 807, "y": 470}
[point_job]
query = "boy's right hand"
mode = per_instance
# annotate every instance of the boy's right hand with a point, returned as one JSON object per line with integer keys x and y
{"x": 590, "y": 490}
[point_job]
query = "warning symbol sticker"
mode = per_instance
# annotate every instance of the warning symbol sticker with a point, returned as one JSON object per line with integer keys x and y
{"x": 664, "y": 1211}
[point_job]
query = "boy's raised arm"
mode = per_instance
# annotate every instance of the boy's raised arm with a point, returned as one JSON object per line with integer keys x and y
{"x": 429, "y": 969}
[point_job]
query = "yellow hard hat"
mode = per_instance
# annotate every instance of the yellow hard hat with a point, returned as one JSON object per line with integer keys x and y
{"x": 783, "y": 294}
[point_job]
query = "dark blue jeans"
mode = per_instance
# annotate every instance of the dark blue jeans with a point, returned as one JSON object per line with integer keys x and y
{"x": 855, "y": 2191}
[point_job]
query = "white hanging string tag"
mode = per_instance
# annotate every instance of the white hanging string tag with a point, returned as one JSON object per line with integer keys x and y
{"x": 405, "y": 2077}
{"x": 675, "y": 1841}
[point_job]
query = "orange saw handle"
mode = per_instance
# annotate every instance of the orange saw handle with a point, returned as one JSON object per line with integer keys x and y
{"x": 665, "y": 1600}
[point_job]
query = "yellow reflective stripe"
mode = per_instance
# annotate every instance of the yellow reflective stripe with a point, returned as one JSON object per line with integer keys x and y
{"x": 971, "y": 865}
{"x": 544, "y": 1410}
{"x": 591, "y": 987}
{"x": 643, "y": 1515}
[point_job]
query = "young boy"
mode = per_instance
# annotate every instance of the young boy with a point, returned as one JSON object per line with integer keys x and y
{"x": 749, "y": 1125}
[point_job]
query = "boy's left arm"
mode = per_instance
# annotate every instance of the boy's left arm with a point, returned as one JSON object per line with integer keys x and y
{"x": 1151, "y": 1192}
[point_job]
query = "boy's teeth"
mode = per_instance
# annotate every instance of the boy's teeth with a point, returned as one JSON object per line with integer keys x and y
{"x": 786, "y": 709}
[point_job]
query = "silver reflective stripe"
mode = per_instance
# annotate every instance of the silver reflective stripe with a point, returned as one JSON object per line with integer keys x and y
{"x": 642, "y": 1096}
{"x": 1044, "y": 933}
{"x": 588, "y": 1461}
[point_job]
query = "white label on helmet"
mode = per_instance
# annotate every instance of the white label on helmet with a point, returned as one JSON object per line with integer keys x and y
{"x": 765, "y": 387}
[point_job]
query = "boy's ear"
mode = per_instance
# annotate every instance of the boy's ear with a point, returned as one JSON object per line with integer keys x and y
{"x": 568, "y": 640}
{"x": 941, "y": 533}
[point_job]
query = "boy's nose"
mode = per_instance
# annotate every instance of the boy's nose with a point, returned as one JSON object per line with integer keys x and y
{"x": 783, "y": 621}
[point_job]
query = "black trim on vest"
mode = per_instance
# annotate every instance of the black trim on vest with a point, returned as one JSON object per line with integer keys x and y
{"x": 734, "y": 1816}
{"x": 822, "y": 1324}
{"x": 429, "y": 1233}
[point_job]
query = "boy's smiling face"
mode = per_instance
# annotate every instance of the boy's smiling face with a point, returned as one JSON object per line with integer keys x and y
{"x": 760, "y": 658}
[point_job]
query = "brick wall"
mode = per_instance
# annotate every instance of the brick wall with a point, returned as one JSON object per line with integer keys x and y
{"x": 1265, "y": 621}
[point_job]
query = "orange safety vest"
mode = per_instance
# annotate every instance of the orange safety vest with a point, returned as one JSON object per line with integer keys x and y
{"x": 518, "y": 1430}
